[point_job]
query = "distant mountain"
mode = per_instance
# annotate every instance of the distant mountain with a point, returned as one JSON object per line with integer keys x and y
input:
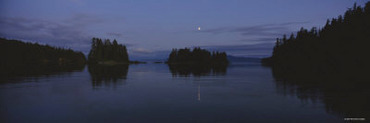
{"x": 243, "y": 59}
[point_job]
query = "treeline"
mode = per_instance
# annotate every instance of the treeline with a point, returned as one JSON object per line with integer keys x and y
{"x": 340, "y": 48}
{"x": 107, "y": 51}
{"x": 20, "y": 58}
{"x": 197, "y": 55}
{"x": 14, "y": 51}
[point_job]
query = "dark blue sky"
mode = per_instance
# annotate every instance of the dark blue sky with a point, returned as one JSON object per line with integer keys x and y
{"x": 151, "y": 28}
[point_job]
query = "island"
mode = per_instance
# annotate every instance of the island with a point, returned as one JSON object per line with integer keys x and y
{"x": 197, "y": 62}
{"x": 107, "y": 52}
{"x": 196, "y": 56}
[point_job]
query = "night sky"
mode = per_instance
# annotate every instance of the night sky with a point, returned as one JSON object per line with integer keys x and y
{"x": 151, "y": 28}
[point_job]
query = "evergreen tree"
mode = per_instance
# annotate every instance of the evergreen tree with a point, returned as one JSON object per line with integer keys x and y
{"x": 340, "y": 48}
{"x": 24, "y": 58}
{"x": 107, "y": 51}
{"x": 197, "y": 55}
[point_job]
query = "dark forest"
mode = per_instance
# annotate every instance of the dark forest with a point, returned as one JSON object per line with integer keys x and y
{"x": 339, "y": 49}
{"x": 19, "y": 58}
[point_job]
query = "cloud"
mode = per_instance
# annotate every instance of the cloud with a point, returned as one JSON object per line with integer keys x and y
{"x": 78, "y": 2}
{"x": 84, "y": 19}
{"x": 68, "y": 33}
{"x": 114, "y": 34}
{"x": 259, "y": 30}
{"x": 140, "y": 51}
{"x": 260, "y": 39}
{"x": 266, "y": 33}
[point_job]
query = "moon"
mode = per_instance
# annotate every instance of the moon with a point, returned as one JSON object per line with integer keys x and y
{"x": 198, "y": 28}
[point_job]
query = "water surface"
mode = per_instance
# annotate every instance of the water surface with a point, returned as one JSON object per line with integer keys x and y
{"x": 242, "y": 92}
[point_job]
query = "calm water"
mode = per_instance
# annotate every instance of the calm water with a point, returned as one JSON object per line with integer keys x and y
{"x": 154, "y": 93}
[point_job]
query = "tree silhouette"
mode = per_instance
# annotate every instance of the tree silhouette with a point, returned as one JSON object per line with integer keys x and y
{"x": 338, "y": 49}
{"x": 197, "y": 62}
{"x": 21, "y": 59}
{"x": 196, "y": 56}
{"x": 107, "y": 51}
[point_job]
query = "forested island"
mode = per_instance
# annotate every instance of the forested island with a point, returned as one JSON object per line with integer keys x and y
{"x": 196, "y": 56}
{"x": 20, "y": 58}
{"x": 340, "y": 49}
{"x": 107, "y": 52}
{"x": 197, "y": 62}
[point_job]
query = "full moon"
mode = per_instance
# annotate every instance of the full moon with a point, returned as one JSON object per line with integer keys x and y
{"x": 199, "y": 28}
